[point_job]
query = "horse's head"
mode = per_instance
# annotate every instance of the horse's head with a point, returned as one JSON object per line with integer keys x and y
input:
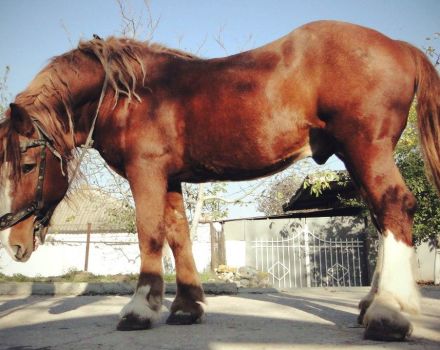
{"x": 32, "y": 183}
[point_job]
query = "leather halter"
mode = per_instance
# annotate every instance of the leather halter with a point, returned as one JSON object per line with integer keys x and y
{"x": 36, "y": 206}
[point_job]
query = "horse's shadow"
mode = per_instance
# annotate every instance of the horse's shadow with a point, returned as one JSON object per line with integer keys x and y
{"x": 328, "y": 310}
{"x": 37, "y": 294}
{"x": 329, "y": 323}
{"x": 219, "y": 330}
{"x": 13, "y": 305}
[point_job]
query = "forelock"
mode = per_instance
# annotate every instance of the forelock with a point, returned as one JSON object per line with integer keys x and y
{"x": 10, "y": 155}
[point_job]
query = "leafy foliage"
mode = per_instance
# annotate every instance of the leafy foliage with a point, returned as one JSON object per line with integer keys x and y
{"x": 214, "y": 208}
{"x": 124, "y": 216}
{"x": 320, "y": 181}
{"x": 278, "y": 192}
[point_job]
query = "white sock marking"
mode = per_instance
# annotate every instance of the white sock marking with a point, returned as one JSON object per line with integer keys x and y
{"x": 396, "y": 274}
{"x": 139, "y": 306}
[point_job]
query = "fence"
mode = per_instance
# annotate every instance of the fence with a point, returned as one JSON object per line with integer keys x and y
{"x": 305, "y": 260}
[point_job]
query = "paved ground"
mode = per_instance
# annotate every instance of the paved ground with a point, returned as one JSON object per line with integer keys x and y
{"x": 302, "y": 319}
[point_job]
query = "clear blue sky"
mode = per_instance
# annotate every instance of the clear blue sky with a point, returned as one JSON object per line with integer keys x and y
{"x": 31, "y": 32}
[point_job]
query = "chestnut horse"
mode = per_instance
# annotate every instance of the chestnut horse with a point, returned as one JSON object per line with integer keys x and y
{"x": 165, "y": 117}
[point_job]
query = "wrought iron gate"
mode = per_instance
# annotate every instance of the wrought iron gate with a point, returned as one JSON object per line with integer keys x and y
{"x": 305, "y": 260}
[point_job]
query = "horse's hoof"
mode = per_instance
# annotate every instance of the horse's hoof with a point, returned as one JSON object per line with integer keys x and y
{"x": 364, "y": 304}
{"x": 388, "y": 329}
{"x": 183, "y": 318}
{"x": 131, "y": 322}
{"x": 360, "y": 319}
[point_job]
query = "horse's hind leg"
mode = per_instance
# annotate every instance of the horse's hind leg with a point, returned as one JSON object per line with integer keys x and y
{"x": 392, "y": 206}
{"x": 187, "y": 306}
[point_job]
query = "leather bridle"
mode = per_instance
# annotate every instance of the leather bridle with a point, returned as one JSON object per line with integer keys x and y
{"x": 36, "y": 207}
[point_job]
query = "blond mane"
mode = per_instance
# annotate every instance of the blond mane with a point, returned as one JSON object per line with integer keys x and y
{"x": 122, "y": 61}
{"x": 49, "y": 98}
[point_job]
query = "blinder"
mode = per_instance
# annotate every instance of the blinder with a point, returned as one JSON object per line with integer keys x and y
{"x": 36, "y": 206}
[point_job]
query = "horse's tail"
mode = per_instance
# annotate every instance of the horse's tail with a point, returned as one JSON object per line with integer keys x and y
{"x": 428, "y": 113}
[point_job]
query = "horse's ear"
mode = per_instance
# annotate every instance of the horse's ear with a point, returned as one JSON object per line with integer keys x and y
{"x": 20, "y": 120}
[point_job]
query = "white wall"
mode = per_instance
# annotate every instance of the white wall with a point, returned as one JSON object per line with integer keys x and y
{"x": 428, "y": 263}
{"x": 110, "y": 254}
{"x": 235, "y": 253}
{"x": 202, "y": 248}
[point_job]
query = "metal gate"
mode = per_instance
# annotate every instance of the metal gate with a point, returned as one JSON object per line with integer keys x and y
{"x": 305, "y": 260}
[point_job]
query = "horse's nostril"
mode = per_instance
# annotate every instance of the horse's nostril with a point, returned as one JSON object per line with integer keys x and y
{"x": 15, "y": 249}
{"x": 18, "y": 251}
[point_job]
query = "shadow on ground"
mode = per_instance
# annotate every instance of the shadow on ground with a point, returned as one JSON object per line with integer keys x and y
{"x": 243, "y": 321}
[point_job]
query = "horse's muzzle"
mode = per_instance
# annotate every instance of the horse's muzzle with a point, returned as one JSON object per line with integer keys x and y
{"x": 22, "y": 254}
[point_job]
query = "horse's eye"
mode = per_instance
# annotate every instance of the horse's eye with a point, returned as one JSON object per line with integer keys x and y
{"x": 27, "y": 168}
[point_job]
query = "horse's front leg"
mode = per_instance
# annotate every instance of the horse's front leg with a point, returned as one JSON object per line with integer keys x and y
{"x": 187, "y": 306}
{"x": 148, "y": 185}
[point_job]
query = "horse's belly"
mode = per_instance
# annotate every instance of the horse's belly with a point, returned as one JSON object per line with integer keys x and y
{"x": 245, "y": 163}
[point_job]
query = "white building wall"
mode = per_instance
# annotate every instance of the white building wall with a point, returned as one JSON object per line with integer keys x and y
{"x": 235, "y": 253}
{"x": 202, "y": 248}
{"x": 110, "y": 254}
{"x": 427, "y": 263}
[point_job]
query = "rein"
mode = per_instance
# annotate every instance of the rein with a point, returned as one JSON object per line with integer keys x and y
{"x": 36, "y": 206}
{"x": 89, "y": 141}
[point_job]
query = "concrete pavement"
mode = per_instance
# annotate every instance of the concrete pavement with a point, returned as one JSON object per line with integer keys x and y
{"x": 300, "y": 319}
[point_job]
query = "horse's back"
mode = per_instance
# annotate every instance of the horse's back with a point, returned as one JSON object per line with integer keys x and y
{"x": 341, "y": 51}
{"x": 256, "y": 112}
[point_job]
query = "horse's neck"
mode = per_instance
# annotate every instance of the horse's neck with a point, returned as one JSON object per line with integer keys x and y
{"x": 87, "y": 106}
{"x": 89, "y": 95}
